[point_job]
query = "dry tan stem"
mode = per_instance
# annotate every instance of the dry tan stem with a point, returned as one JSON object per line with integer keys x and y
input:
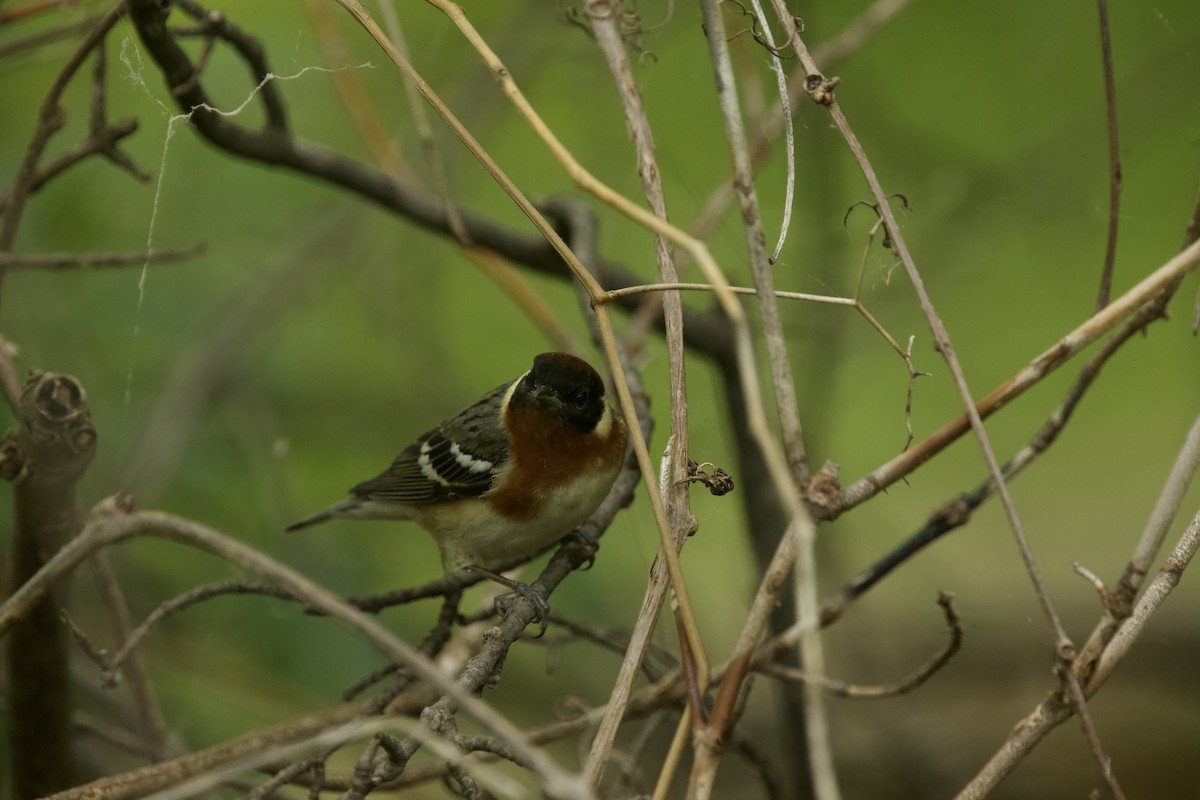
{"x": 833, "y": 300}
{"x": 707, "y": 287}
{"x": 333, "y": 738}
{"x": 141, "y": 782}
{"x": 1161, "y": 517}
{"x": 1166, "y": 580}
{"x": 1033, "y": 372}
{"x": 670, "y": 765}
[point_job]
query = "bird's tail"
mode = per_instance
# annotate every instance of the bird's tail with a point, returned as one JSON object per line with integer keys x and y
{"x": 346, "y": 508}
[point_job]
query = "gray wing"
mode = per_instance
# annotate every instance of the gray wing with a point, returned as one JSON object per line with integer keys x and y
{"x": 459, "y": 458}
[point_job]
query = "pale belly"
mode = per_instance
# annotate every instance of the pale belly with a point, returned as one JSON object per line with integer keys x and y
{"x": 468, "y": 533}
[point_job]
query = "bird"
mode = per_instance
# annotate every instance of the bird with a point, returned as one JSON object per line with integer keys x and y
{"x": 507, "y": 476}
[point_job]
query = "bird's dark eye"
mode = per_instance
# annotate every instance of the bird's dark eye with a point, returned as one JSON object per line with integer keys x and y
{"x": 580, "y": 400}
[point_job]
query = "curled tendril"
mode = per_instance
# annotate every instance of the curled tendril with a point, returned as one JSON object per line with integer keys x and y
{"x": 755, "y": 32}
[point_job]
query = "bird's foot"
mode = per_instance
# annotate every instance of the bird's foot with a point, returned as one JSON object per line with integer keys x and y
{"x": 541, "y": 609}
{"x": 589, "y": 542}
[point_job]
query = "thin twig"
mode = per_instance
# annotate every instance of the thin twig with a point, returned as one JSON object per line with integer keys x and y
{"x": 789, "y": 142}
{"x": 902, "y": 686}
{"x": 50, "y": 120}
{"x": 152, "y": 726}
{"x": 957, "y": 512}
{"x": 95, "y": 260}
{"x": 1052, "y": 711}
{"x": 1165, "y": 278}
{"x": 189, "y": 598}
{"x": 1114, "y": 159}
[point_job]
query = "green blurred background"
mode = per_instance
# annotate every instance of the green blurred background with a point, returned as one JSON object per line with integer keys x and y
{"x": 328, "y": 334}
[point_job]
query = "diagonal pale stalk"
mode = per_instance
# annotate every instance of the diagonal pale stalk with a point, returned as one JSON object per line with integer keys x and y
{"x": 1051, "y": 359}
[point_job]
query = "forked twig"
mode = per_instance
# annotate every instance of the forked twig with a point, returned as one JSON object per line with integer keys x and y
{"x": 1052, "y": 711}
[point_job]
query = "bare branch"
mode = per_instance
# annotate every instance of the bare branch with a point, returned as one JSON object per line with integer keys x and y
{"x": 955, "y": 513}
{"x": 54, "y": 445}
{"x": 50, "y": 121}
{"x": 1052, "y": 711}
{"x": 848, "y": 690}
{"x": 1163, "y": 281}
{"x": 149, "y": 523}
{"x": 63, "y": 261}
{"x": 1114, "y": 159}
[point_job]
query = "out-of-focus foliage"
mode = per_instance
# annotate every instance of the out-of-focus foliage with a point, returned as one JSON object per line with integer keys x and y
{"x": 365, "y": 331}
